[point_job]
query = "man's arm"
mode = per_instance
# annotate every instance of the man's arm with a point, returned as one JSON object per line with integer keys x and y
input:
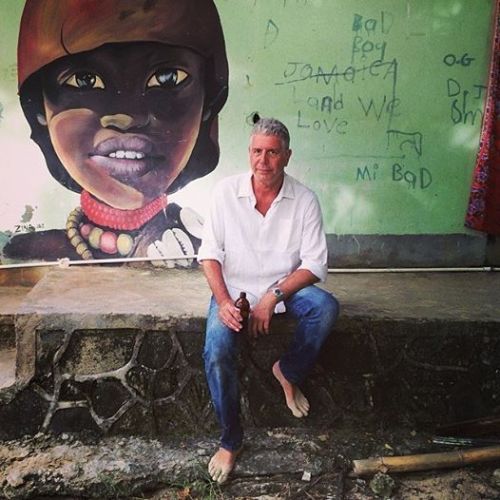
{"x": 211, "y": 255}
{"x": 229, "y": 314}
{"x": 263, "y": 311}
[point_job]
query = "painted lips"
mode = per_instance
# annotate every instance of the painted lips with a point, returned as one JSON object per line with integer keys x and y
{"x": 126, "y": 157}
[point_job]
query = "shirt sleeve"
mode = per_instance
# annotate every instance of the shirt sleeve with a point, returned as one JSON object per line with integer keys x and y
{"x": 212, "y": 241}
{"x": 313, "y": 248}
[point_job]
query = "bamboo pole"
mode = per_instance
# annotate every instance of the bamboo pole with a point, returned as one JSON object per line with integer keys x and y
{"x": 425, "y": 461}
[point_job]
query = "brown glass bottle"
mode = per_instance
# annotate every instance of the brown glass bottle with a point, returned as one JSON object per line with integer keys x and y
{"x": 244, "y": 306}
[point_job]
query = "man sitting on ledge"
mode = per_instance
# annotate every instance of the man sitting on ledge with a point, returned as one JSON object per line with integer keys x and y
{"x": 264, "y": 235}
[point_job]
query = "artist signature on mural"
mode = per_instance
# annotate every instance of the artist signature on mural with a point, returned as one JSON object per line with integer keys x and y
{"x": 28, "y": 228}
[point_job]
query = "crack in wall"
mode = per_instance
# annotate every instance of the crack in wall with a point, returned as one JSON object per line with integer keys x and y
{"x": 88, "y": 384}
{"x": 130, "y": 379}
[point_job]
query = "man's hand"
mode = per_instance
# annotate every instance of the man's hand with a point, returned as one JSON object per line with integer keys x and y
{"x": 261, "y": 315}
{"x": 230, "y": 315}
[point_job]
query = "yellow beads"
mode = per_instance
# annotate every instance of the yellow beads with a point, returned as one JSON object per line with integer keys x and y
{"x": 124, "y": 244}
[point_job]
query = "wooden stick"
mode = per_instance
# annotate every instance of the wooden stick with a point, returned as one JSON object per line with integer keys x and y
{"x": 425, "y": 461}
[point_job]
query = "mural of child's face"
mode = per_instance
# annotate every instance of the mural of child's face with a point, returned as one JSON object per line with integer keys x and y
{"x": 124, "y": 118}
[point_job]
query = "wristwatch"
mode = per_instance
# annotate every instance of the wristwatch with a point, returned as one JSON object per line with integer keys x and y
{"x": 278, "y": 294}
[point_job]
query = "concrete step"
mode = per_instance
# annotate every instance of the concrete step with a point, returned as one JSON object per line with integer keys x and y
{"x": 7, "y": 368}
{"x": 11, "y": 298}
{"x": 118, "y": 350}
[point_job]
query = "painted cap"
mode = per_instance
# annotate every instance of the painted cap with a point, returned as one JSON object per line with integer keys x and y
{"x": 51, "y": 29}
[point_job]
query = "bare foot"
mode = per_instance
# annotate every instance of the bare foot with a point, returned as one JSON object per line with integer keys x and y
{"x": 295, "y": 400}
{"x": 221, "y": 464}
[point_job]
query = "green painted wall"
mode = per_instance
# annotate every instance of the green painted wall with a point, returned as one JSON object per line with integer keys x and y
{"x": 383, "y": 99}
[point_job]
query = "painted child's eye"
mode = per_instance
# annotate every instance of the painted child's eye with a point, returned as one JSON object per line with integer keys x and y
{"x": 167, "y": 78}
{"x": 85, "y": 81}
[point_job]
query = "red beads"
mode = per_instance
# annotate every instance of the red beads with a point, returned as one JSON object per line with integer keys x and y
{"x": 114, "y": 218}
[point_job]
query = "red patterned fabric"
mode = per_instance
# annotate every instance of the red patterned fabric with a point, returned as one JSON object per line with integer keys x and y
{"x": 483, "y": 213}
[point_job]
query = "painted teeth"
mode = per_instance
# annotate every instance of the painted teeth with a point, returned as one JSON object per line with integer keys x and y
{"x": 129, "y": 155}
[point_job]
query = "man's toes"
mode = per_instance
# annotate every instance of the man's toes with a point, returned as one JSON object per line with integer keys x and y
{"x": 220, "y": 474}
{"x": 211, "y": 468}
{"x": 214, "y": 473}
{"x": 222, "y": 477}
{"x": 296, "y": 412}
{"x": 302, "y": 401}
{"x": 304, "y": 411}
{"x": 303, "y": 406}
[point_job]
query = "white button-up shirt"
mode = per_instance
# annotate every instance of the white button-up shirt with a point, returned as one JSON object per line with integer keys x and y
{"x": 256, "y": 251}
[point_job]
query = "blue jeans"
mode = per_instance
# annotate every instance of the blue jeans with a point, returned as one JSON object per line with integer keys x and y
{"x": 316, "y": 312}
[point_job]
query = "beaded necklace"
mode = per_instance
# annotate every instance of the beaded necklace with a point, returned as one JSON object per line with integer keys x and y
{"x": 83, "y": 235}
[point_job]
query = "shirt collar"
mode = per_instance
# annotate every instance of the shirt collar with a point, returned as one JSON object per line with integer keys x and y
{"x": 245, "y": 189}
{"x": 245, "y": 186}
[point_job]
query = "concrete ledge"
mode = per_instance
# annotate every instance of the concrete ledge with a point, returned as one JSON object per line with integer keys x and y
{"x": 11, "y": 299}
{"x": 118, "y": 350}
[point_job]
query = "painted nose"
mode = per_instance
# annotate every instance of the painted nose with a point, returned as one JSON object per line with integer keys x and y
{"x": 123, "y": 122}
{"x": 120, "y": 121}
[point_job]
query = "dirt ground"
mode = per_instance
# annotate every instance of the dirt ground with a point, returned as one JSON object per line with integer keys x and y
{"x": 280, "y": 463}
{"x": 461, "y": 484}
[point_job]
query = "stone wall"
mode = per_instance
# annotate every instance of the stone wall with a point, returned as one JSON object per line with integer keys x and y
{"x": 87, "y": 361}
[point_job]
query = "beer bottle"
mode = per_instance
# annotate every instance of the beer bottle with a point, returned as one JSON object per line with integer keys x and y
{"x": 244, "y": 306}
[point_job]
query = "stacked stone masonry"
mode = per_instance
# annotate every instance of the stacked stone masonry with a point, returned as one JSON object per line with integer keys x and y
{"x": 119, "y": 351}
